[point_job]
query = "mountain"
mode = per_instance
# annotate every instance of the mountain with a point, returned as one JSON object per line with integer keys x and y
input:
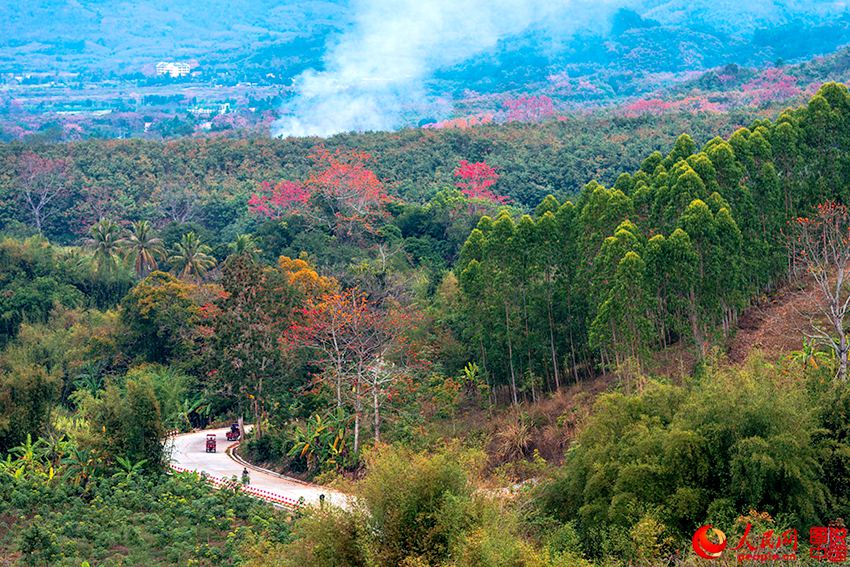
{"x": 329, "y": 66}
{"x": 736, "y": 17}
{"x": 119, "y": 35}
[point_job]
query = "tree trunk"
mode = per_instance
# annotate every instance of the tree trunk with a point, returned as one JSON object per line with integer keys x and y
{"x": 572, "y": 341}
{"x": 357, "y": 411}
{"x": 695, "y": 324}
{"x": 527, "y": 334}
{"x": 552, "y": 344}
{"x": 258, "y": 414}
{"x": 338, "y": 370}
{"x": 510, "y": 355}
{"x": 377, "y": 409}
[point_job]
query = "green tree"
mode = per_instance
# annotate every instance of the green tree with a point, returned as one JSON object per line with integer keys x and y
{"x": 27, "y": 395}
{"x": 127, "y": 423}
{"x": 244, "y": 349}
{"x": 621, "y": 325}
{"x": 500, "y": 251}
{"x": 191, "y": 258}
{"x": 159, "y": 314}
{"x": 144, "y": 247}
{"x": 105, "y": 240}
{"x": 245, "y": 245}
{"x": 676, "y": 454}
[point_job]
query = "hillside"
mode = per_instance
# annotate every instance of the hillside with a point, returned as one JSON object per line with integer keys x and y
{"x": 119, "y": 37}
{"x": 424, "y": 283}
{"x": 425, "y": 340}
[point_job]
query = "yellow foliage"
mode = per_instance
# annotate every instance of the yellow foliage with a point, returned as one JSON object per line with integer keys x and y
{"x": 304, "y": 278}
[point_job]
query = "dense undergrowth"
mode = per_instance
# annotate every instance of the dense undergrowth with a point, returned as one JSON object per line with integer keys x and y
{"x": 127, "y": 519}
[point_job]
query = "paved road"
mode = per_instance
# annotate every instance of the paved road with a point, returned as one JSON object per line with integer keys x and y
{"x": 189, "y": 453}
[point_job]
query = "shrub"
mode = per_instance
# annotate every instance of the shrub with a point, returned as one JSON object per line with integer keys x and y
{"x": 649, "y": 468}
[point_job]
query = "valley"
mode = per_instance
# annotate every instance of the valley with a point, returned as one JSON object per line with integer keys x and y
{"x": 424, "y": 284}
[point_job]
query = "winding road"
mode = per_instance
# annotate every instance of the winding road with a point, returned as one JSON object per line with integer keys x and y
{"x": 188, "y": 453}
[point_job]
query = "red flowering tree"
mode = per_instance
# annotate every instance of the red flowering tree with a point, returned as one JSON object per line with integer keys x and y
{"x": 278, "y": 201}
{"x": 657, "y": 106}
{"x": 529, "y": 108}
{"x": 341, "y": 193}
{"x": 476, "y": 180}
{"x": 463, "y": 122}
{"x": 361, "y": 348}
{"x": 772, "y": 84}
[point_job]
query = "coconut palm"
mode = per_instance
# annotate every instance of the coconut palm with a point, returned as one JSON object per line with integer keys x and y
{"x": 245, "y": 245}
{"x": 105, "y": 242}
{"x": 191, "y": 258}
{"x": 143, "y": 245}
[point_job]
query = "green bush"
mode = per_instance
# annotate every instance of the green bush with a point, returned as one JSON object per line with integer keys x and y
{"x": 671, "y": 458}
{"x": 131, "y": 519}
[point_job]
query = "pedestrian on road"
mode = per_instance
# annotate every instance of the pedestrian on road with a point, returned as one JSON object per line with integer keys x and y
{"x": 245, "y": 478}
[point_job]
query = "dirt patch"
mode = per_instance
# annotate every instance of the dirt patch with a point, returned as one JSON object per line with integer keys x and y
{"x": 777, "y": 324}
{"x": 675, "y": 362}
{"x": 546, "y": 427}
{"x": 8, "y": 556}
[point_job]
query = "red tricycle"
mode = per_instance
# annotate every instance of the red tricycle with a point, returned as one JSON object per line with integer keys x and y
{"x": 234, "y": 433}
{"x": 210, "y": 442}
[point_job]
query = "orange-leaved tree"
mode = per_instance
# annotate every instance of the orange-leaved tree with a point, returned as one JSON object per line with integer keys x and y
{"x": 362, "y": 349}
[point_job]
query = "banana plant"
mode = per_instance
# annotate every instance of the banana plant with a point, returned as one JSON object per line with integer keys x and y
{"x": 809, "y": 356}
{"x": 307, "y": 440}
{"x": 198, "y": 405}
{"x": 321, "y": 441}
{"x": 10, "y": 467}
{"x": 30, "y": 452}
{"x": 79, "y": 465}
{"x": 129, "y": 468}
{"x": 56, "y": 445}
{"x": 90, "y": 382}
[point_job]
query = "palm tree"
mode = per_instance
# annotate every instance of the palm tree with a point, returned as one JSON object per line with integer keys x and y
{"x": 145, "y": 247}
{"x": 245, "y": 245}
{"x": 191, "y": 258}
{"x": 105, "y": 241}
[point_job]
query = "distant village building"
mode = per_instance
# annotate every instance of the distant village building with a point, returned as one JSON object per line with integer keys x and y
{"x": 208, "y": 111}
{"x": 172, "y": 68}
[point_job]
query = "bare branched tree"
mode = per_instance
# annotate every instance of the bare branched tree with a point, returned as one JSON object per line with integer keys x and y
{"x": 43, "y": 181}
{"x": 823, "y": 246}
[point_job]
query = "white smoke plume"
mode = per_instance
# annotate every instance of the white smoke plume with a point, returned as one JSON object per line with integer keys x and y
{"x": 378, "y": 67}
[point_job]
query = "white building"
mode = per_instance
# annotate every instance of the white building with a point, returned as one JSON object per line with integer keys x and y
{"x": 172, "y": 68}
{"x": 209, "y": 111}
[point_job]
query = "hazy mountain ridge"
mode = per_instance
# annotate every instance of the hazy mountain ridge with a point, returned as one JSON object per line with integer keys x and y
{"x": 118, "y": 35}
{"x": 332, "y": 66}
